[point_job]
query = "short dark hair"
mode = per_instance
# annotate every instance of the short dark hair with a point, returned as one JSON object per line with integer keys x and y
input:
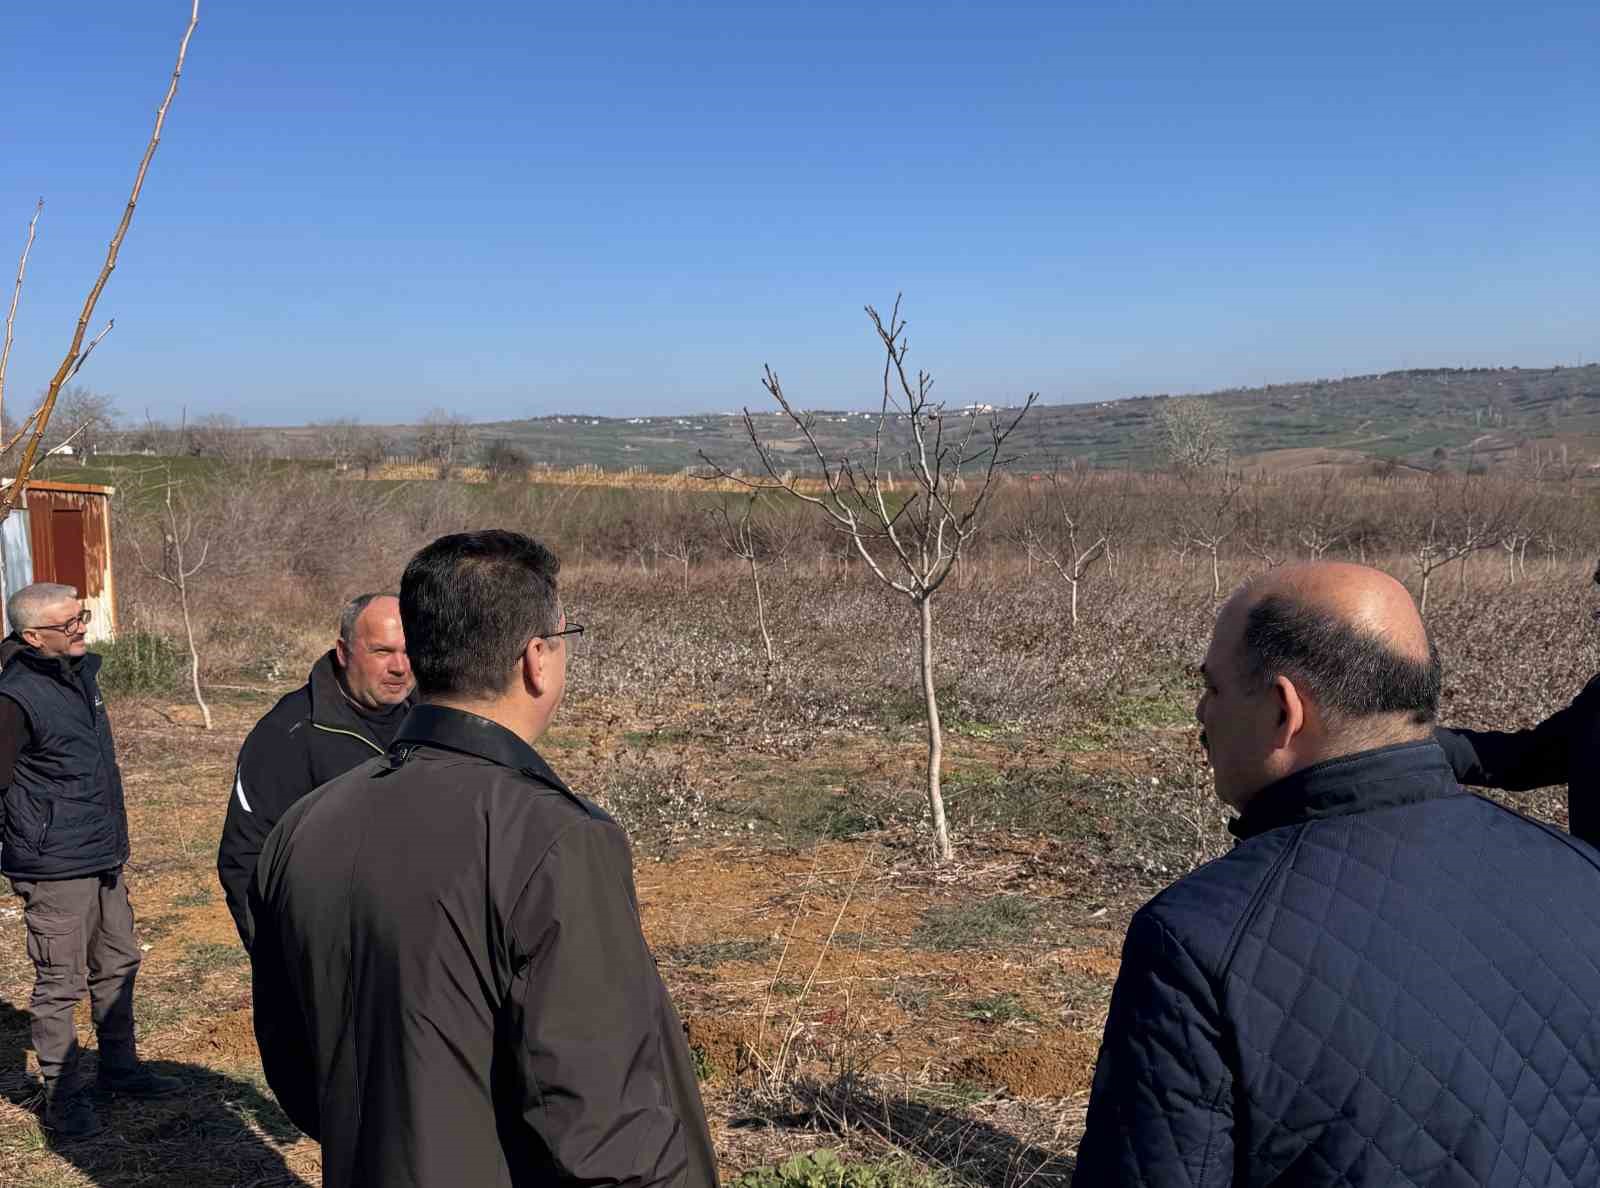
{"x": 470, "y": 602}
{"x": 352, "y": 612}
{"x": 1352, "y": 674}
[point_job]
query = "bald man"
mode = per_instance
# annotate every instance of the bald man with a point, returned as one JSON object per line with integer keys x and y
{"x": 1387, "y": 980}
{"x": 346, "y": 713}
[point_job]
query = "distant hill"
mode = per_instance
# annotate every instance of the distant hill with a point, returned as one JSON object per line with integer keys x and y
{"x": 1444, "y": 416}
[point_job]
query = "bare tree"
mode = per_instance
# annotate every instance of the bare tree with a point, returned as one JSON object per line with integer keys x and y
{"x": 909, "y": 540}
{"x": 339, "y": 440}
{"x": 84, "y": 417}
{"x": 504, "y": 461}
{"x": 1464, "y": 514}
{"x": 370, "y": 451}
{"x": 175, "y": 569}
{"x": 442, "y": 440}
{"x": 1070, "y": 524}
{"x": 739, "y": 538}
{"x": 78, "y": 351}
{"x": 1210, "y": 512}
{"x": 1195, "y": 433}
{"x": 214, "y": 435}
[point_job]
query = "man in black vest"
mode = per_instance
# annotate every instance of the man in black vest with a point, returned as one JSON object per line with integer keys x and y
{"x": 346, "y": 713}
{"x": 65, "y": 841}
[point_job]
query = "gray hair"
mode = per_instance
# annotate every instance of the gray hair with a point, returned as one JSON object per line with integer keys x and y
{"x": 25, "y": 608}
{"x": 352, "y": 612}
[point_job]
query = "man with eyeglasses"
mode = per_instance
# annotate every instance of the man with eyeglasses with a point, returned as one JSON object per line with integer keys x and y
{"x": 451, "y": 985}
{"x": 65, "y": 842}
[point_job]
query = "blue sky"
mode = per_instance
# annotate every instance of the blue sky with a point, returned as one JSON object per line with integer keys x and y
{"x": 513, "y": 209}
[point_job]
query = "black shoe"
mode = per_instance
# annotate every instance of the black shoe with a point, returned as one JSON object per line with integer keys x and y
{"x": 69, "y": 1116}
{"x": 136, "y": 1081}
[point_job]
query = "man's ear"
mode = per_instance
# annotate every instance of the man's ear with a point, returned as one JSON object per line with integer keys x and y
{"x": 341, "y": 652}
{"x": 534, "y": 658}
{"x": 1291, "y": 711}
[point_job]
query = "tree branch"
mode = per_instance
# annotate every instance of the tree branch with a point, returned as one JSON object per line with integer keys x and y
{"x": 69, "y": 364}
{"x": 16, "y": 296}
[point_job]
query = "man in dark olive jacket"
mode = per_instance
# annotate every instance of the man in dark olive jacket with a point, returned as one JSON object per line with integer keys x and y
{"x": 1387, "y": 980}
{"x": 63, "y": 843}
{"x": 347, "y": 712}
{"x": 1563, "y": 749}
{"x": 451, "y": 985}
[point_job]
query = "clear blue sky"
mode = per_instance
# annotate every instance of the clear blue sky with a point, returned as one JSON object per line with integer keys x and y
{"x": 367, "y": 209}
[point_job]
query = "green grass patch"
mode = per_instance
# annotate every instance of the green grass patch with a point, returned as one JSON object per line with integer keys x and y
{"x": 199, "y": 897}
{"x": 1052, "y": 800}
{"x": 211, "y": 957}
{"x": 825, "y": 1169}
{"x": 716, "y": 952}
{"x": 982, "y": 924}
{"x": 1000, "y": 1008}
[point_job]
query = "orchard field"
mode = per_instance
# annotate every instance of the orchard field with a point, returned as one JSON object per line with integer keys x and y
{"x": 931, "y": 1022}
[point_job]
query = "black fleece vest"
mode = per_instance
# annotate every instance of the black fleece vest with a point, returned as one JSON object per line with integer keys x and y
{"x": 64, "y": 810}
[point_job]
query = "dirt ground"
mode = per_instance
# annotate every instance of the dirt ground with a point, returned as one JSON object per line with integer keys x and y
{"x": 838, "y": 989}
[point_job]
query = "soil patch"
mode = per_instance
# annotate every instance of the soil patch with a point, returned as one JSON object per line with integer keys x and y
{"x": 1060, "y": 1065}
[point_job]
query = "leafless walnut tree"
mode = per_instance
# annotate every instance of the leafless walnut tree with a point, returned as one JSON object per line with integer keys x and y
{"x": 176, "y": 566}
{"x": 1069, "y": 522}
{"x": 32, "y": 429}
{"x": 1462, "y": 515}
{"x": 910, "y": 535}
{"x": 1210, "y": 512}
{"x": 739, "y": 537}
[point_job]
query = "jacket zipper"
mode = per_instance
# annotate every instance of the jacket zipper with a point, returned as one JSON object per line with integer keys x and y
{"x": 347, "y": 733}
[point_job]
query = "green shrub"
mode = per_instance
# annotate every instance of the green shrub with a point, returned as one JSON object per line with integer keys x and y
{"x": 824, "y": 1169}
{"x": 141, "y": 662}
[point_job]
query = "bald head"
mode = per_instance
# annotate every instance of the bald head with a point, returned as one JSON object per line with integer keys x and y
{"x": 1349, "y": 637}
{"x": 1364, "y": 600}
{"x": 1310, "y": 662}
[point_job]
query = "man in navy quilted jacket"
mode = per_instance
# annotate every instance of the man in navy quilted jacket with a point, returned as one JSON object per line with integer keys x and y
{"x": 1387, "y": 980}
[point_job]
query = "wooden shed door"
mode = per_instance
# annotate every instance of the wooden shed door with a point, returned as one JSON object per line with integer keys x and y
{"x": 67, "y": 548}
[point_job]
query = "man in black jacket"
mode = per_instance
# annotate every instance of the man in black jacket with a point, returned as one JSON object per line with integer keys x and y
{"x": 1387, "y": 980}
{"x": 345, "y": 713}
{"x": 65, "y": 840}
{"x": 1563, "y": 749}
{"x": 451, "y": 985}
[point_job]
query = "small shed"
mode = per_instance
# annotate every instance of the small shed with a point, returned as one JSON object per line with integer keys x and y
{"x": 62, "y": 533}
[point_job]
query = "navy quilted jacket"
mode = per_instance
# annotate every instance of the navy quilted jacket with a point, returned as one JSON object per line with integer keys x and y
{"x": 1387, "y": 981}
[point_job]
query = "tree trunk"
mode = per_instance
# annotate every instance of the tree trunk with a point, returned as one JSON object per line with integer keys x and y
{"x": 941, "y": 832}
{"x": 194, "y": 655}
{"x": 1422, "y": 603}
{"x": 1461, "y": 588}
{"x": 1074, "y": 604}
{"x": 1216, "y": 576}
{"x": 761, "y": 608}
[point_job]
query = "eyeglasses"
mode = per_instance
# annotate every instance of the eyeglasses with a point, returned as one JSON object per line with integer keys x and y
{"x": 76, "y": 624}
{"x": 572, "y": 629}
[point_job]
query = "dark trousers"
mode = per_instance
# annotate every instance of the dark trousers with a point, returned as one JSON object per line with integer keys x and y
{"x": 80, "y": 937}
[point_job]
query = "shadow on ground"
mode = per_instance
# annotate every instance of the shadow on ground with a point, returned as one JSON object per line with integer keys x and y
{"x": 970, "y": 1149}
{"x": 220, "y": 1131}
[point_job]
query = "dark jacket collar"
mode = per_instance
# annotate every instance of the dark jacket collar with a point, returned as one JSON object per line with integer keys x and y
{"x": 330, "y": 704}
{"x": 457, "y": 730}
{"x": 69, "y": 669}
{"x": 1402, "y": 774}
